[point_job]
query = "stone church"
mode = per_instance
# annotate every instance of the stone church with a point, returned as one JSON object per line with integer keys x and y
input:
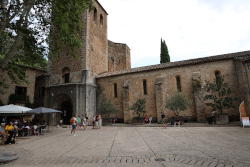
{"x": 71, "y": 83}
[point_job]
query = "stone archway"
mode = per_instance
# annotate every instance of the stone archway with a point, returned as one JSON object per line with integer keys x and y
{"x": 64, "y": 103}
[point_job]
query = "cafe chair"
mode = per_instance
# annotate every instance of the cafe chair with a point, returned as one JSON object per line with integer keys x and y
{"x": 43, "y": 129}
{"x": 26, "y": 132}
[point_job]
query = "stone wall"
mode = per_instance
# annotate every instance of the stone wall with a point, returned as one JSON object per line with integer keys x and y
{"x": 164, "y": 81}
{"x": 32, "y": 74}
{"x": 97, "y": 43}
{"x": 119, "y": 56}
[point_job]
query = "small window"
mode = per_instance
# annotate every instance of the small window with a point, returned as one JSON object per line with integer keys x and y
{"x": 21, "y": 90}
{"x": 145, "y": 87}
{"x": 178, "y": 82}
{"x": 115, "y": 90}
{"x": 217, "y": 75}
{"x": 95, "y": 15}
{"x": 101, "y": 19}
{"x": 65, "y": 75}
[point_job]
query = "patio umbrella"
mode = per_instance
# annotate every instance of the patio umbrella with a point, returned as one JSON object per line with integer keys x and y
{"x": 13, "y": 109}
{"x": 43, "y": 110}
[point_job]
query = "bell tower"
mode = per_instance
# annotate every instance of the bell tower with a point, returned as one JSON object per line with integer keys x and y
{"x": 72, "y": 81}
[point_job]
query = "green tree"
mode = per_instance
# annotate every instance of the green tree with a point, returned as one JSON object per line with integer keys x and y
{"x": 32, "y": 29}
{"x": 139, "y": 106}
{"x": 220, "y": 94}
{"x": 105, "y": 107}
{"x": 176, "y": 103}
{"x": 164, "y": 52}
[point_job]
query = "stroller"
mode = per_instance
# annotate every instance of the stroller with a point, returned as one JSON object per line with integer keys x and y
{"x": 12, "y": 138}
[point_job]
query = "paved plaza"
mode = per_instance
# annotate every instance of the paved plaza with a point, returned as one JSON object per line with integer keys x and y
{"x": 134, "y": 146}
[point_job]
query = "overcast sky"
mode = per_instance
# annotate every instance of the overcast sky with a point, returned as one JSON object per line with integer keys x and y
{"x": 191, "y": 28}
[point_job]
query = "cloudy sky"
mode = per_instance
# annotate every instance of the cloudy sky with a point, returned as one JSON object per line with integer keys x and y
{"x": 191, "y": 28}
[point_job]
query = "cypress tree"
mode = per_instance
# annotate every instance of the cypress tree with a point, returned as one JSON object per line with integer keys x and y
{"x": 164, "y": 52}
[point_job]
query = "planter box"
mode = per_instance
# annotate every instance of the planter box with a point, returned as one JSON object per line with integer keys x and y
{"x": 138, "y": 121}
{"x": 222, "y": 119}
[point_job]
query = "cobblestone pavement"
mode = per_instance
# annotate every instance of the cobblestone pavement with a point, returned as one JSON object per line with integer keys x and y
{"x": 135, "y": 146}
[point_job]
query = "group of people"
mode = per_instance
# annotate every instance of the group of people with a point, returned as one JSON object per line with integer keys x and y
{"x": 78, "y": 122}
{"x": 148, "y": 119}
{"x": 176, "y": 123}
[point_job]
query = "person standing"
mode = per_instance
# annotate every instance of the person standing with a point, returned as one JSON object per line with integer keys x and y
{"x": 74, "y": 122}
{"x": 2, "y": 133}
{"x": 78, "y": 122}
{"x": 84, "y": 123}
{"x": 213, "y": 116}
{"x": 146, "y": 119}
{"x": 99, "y": 121}
{"x": 87, "y": 121}
{"x": 93, "y": 121}
{"x": 162, "y": 120}
{"x": 150, "y": 119}
{"x": 96, "y": 121}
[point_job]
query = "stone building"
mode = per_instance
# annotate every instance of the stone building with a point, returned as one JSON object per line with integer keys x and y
{"x": 156, "y": 82}
{"x": 22, "y": 92}
{"x": 71, "y": 83}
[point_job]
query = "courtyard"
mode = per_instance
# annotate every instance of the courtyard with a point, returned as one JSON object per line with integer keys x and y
{"x": 134, "y": 146}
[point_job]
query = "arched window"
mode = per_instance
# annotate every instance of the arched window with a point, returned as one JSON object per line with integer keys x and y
{"x": 178, "y": 83}
{"x": 95, "y": 15}
{"x": 115, "y": 90}
{"x": 65, "y": 75}
{"x": 101, "y": 19}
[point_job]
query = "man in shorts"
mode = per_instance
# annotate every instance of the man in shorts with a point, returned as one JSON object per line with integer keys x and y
{"x": 162, "y": 120}
{"x": 74, "y": 126}
{"x": 2, "y": 133}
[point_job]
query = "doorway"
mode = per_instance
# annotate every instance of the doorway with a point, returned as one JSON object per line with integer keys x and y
{"x": 66, "y": 109}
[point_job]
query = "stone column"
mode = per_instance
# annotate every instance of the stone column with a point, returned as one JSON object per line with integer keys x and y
{"x": 159, "y": 98}
{"x": 125, "y": 102}
{"x": 198, "y": 97}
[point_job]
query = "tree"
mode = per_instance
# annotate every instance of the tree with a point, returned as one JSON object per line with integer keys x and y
{"x": 105, "y": 107}
{"x": 164, "y": 52}
{"x": 139, "y": 107}
{"x": 32, "y": 29}
{"x": 176, "y": 103}
{"x": 220, "y": 97}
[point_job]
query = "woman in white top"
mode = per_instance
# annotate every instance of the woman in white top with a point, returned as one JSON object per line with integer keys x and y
{"x": 84, "y": 123}
{"x": 100, "y": 121}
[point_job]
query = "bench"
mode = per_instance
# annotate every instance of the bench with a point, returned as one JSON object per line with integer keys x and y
{"x": 245, "y": 121}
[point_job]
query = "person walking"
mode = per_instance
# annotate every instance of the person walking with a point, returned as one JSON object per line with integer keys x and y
{"x": 84, "y": 123}
{"x": 162, "y": 120}
{"x": 73, "y": 121}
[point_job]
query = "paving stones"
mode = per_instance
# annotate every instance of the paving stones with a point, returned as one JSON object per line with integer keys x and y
{"x": 135, "y": 146}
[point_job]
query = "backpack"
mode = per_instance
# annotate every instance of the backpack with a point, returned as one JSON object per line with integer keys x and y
{"x": 71, "y": 120}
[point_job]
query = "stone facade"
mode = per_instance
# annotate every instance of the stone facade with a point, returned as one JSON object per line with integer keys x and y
{"x": 118, "y": 56}
{"x": 70, "y": 83}
{"x": 161, "y": 82}
{"x": 30, "y": 86}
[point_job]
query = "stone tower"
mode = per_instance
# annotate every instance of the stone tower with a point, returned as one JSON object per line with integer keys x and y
{"x": 70, "y": 83}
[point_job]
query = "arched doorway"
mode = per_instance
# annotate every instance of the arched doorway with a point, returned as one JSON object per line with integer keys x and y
{"x": 66, "y": 109}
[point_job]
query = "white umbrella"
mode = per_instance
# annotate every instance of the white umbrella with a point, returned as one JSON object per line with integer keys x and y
{"x": 13, "y": 109}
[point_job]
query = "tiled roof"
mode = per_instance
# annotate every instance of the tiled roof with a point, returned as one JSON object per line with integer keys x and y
{"x": 176, "y": 64}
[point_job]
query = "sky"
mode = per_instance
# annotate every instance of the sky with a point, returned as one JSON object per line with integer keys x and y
{"x": 191, "y": 28}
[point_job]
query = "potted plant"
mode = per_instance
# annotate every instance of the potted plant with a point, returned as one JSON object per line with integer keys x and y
{"x": 176, "y": 103}
{"x": 219, "y": 98}
{"x": 139, "y": 108}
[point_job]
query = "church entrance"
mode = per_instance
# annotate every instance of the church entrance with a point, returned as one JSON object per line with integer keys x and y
{"x": 66, "y": 109}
